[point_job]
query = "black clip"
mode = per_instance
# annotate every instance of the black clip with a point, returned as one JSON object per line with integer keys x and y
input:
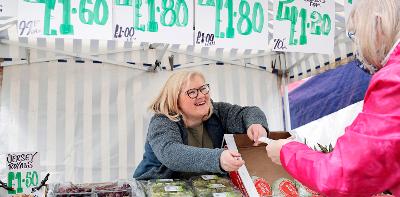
{"x": 34, "y": 189}
{"x": 157, "y": 65}
{"x": 4, "y": 185}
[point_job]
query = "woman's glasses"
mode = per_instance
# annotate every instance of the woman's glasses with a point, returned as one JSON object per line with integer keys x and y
{"x": 351, "y": 35}
{"x": 193, "y": 93}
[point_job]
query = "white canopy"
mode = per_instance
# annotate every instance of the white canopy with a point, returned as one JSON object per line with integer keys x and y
{"x": 82, "y": 103}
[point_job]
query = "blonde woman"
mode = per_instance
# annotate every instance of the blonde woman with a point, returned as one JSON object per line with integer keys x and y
{"x": 186, "y": 133}
{"x": 366, "y": 159}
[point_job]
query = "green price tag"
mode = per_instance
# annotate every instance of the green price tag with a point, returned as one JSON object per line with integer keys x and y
{"x": 304, "y": 26}
{"x": 168, "y": 13}
{"x": 66, "y": 17}
{"x": 22, "y": 173}
{"x": 317, "y": 23}
{"x": 161, "y": 21}
{"x": 243, "y": 17}
{"x": 240, "y": 24}
{"x": 22, "y": 182}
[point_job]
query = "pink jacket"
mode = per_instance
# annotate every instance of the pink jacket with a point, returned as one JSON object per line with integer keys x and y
{"x": 366, "y": 159}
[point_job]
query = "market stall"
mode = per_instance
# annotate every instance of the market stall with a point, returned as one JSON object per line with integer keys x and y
{"x": 76, "y": 89}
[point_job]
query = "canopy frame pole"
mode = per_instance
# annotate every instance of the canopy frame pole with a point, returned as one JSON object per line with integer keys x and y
{"x": 89, "y": 57}
{"x": 232, "y": 61}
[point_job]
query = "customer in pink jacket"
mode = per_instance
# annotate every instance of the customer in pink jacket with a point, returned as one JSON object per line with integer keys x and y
{"x": 366, "y": 159}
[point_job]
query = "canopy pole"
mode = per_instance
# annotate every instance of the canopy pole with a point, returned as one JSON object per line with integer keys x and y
{"x": 89, "y": 57}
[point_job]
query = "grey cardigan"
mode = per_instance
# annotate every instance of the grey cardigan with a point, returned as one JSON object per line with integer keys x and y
{"x": 166, "y": 150}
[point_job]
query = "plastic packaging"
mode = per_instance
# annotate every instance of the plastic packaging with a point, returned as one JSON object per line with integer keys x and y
{"x": 213, "y": 186}
{"x": 168, "y": 187}
{"x": 109, "y": 189}
{"x": 262, "y": 186}
{"x": 284, "y": 187}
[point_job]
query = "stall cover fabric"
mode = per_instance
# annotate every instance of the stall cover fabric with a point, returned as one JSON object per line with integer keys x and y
{"x": 327, "y": 93}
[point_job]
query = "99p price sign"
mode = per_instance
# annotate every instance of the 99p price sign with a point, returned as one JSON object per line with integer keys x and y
{"x": 165, "y": 21}
{"x": 22, "y": 173}
{"x": 306, "y": 26}
{"x": 90, "y": 19}
{"x": 232, "y": 24}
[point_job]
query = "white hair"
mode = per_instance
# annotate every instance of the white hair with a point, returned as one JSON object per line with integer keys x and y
{"x": 376, "y": 25}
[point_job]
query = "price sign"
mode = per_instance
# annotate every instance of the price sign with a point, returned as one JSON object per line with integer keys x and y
{"x": 8, "y": 8}
{"x": 83, "y": 19}
{"x": 232, "y": 23}
{"x": 165, "y": 21}
{"x": 304, "y": 26}
{"x": 123, "y": 20}
{"x": 22, "y": 172}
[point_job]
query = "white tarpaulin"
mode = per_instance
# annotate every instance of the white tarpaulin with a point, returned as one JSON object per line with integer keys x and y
{"x": 89, "y": 121}
{"x": 82, "y": 102}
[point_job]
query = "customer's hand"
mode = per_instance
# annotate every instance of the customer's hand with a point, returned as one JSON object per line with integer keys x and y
{"x": 274, "y": 149}
{"x": 230, "y": 160}
{"x": 256, "y": 131}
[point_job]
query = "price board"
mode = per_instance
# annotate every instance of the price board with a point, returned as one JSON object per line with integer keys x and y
{"x": 239, "y": 24}
{"x": 82, "y": 19}
{"x": 306, "y": 26}
{"x": 22, "y": 172}
{"x": 163, "y": 21}
{"x": 123, "y": 21}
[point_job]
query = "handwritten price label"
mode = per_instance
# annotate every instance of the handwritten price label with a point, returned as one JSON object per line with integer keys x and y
{"x": 166, "y": 21}
{"x": 310, "y": 24}
{"x": 205, "y": 39}
{"x": 22, "y": 172}
{"x": 123, "y": 21}
{"x": 234, "y": 24}
{"x": 26, "y": 28}
{"x": 89, "y": 19}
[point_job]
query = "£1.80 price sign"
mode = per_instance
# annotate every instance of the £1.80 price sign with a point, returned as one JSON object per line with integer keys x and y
{"x": 306, "y": 26}
{"x": 232, "y": 23}
{"x": 165, "y": 21}
{"x": 22, "y": 173}
{"x": 90, "y": 19}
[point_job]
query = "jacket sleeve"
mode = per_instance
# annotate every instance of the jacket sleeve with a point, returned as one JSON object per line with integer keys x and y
{"x": 365, "y": 160}
{"x": 236, "y": 119}
{"x": 167, "y": 144}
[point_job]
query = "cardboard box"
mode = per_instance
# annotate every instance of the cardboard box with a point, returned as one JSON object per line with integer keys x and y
{"x": 257, "y": 162}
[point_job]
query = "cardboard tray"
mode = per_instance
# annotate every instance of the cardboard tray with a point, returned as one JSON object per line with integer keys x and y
{"x": 257, "y": 162}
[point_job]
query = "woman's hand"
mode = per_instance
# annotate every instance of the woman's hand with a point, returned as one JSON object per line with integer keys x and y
{"x": 256, "y": 131}
{"x": 274, "y": 149}
{"x": 230, "y": 160}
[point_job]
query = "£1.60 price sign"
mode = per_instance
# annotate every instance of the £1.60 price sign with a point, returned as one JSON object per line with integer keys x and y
{"x": 232, "y": 23}
{"x": 83, "y": 19}
{"x": 22, "y": 173}
{"x": 306, "y": 26}
{"x": 163, "y": 21}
